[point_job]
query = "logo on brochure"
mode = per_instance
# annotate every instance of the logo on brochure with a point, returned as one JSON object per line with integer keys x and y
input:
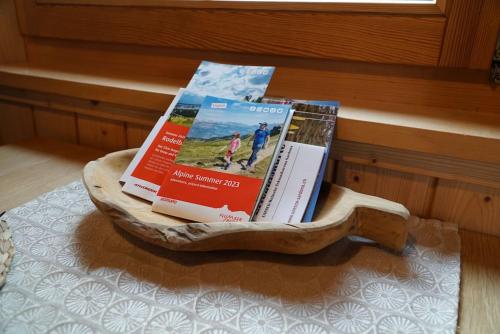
{"x": 219, "y": 105}
{"x": 257, "y": 71}
{"x": 267, "y": 110}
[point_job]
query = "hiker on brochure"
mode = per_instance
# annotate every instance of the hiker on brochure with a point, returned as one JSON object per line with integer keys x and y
{"x": 260, "y": 140}
{"x": 234, "y": 145}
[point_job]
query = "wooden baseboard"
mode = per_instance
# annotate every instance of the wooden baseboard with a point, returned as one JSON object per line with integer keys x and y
{"x": 413, "y": 162}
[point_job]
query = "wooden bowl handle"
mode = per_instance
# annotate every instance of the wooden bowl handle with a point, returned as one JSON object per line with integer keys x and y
{"x": 387, "y": 229}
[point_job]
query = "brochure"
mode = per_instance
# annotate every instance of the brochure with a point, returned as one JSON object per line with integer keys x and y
{"x": 327, "y": 112}
{"x": 225, "y": 160}
{"x": 243, "y": 83}
{"x": 288, "y": 194}
{"x": 152, "y": 137}
{"x": 291, "y": 194}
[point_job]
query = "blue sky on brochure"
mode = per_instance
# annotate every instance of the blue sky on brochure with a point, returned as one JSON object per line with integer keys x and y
{"x": 227, "y": 81}
{"x": 218, "y": 110}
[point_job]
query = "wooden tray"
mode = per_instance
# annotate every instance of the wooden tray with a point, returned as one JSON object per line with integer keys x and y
{"x": 340, "y": 212}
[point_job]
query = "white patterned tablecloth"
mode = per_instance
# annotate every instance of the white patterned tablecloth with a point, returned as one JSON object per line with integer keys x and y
{"x": 75, "y": 272}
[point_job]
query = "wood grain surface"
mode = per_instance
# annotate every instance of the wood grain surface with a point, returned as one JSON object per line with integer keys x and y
{"x": 467, "y": 128}
{"x": 30, "y": 168}
{"x": 137, "y": 71}
{"x": 437, "y": 166}
{"x": 424, "y": 7}
{"x": 101, "y": 133}
{"x": 137, "y": 134}
{"x": 11, "y": 42}
{"x": 480, "y": 284}
{"x": 468, "y": 204}
{"x": 339, "y": 212}
{"x": 414, "y": 191}
{"x": 370, "y": 37}
{"x": 55, "y": 124}
{"x": 16, "y": 122}
{"x": 471, "y": 31}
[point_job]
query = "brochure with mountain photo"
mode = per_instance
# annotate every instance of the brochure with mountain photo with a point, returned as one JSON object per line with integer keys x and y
{"x": 226, "y": 158}
{"x": 291, "y": 194}
{"x": 242, "y": 83}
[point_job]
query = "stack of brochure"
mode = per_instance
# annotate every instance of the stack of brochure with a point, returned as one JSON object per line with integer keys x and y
{"x": 224, "y": 152}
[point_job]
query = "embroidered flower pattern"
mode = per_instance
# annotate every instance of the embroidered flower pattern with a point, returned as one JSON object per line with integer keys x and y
{"x": 70, "y": 256}
{"x": 66, "y": 223}
{"x": 27, "y": 235}
{"x": 415, "y": 276}
{"x": 261, "y": 319}
{"x": 46, "y": 215}
{"x": 56, "y": 285}
{"x": 349, "y": 317}
{"x": 398, "y": 325}
{"x": 217, "y": 331}
{"x": 440, "y": 261}
{"x": 340, "y": 283}
{"x": 450, "y": 283}
{"x": 302, "y": 300}
{"x": 432, "y": 310}
{"x": 71, "y": 328}
{"x": 11, "y": 302}
{"x": 88, "y": 298}
{"x": 34, "y": 320}
{"x": 384, "y": 295}
{"x": 47, "y": 247}
{"x": 73, "y": 273}
{"x": 125, "y": 316}
{"x": 82, "y": 206}
{"x": 170, "y": 322}
{"x": 218, "y": 305}
{"x": 307, "y": 328}
{"x": 27, "y": 273}
{"x": 130, "y": 284}
{"x": 184, "y": 291}
{"x": 62, "y": 198}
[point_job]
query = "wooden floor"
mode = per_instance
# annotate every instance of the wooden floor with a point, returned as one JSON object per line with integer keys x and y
{"x": 31, "y": 168}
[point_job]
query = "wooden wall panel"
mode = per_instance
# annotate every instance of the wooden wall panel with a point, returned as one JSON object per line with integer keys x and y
{"x": 101, "y": 133}
{"x": 473, "y": 207}
{"x": 137, "y": 134}
{"x": 11, "y": 41}
{"x": 412, "y": 162}
{"x": 55, "y": 124}
{"x": 413, "y": 191}
{"x": 16, "y": 122}
{"x": 150, "y": 76}
{"x": 372, "y": 37}
{"x": 424, "y": 7}
{"x": 460, "y": 32}
{"x": 486, "y": 35}
{"x": 470, "y": 35}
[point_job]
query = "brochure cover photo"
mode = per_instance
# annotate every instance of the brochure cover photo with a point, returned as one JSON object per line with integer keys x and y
{"x": 235, "y": 82}
{"x": 242, "y": 83}
{"x": 224, "y": 161}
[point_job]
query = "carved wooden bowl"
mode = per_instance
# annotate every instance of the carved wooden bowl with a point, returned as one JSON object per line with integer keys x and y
{"x": 340, "y": 212}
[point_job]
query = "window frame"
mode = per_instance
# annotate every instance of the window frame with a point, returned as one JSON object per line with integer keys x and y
{"x": 356, "y": 6}
{"x": 411, "y": 39}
